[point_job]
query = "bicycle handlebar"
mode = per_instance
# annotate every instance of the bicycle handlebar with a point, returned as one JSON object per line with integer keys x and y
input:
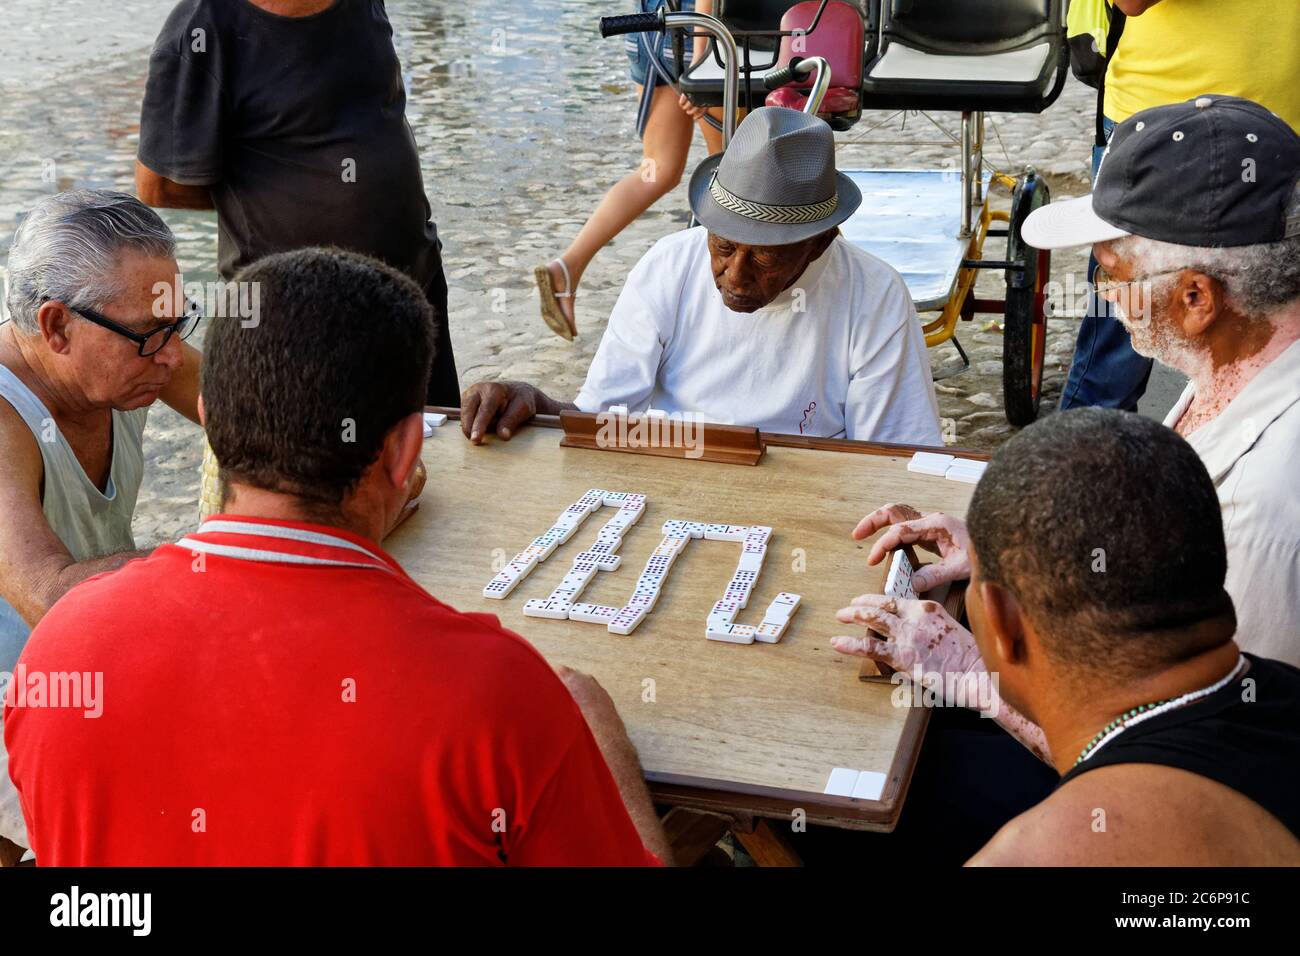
{"x": 631, "y": 23}
{"x": 783, "y": 75}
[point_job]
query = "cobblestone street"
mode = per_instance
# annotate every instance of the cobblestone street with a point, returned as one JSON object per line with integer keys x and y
{"x": 524, "y": 117}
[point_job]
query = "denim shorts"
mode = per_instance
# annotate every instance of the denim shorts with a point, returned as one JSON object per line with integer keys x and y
{"x": 635, "y": 44}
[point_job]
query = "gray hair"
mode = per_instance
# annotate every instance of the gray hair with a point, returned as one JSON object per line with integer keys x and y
{"x": 1259, "y": 279}
{"x": 67, "y": 248}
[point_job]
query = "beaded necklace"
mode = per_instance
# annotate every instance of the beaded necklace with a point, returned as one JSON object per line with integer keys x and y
{"x": 1146, "y": 711}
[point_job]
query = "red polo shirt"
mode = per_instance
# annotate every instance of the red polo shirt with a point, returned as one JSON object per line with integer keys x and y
{"x": 280, "y": 693}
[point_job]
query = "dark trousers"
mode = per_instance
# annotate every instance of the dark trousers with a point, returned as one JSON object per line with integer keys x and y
{"x": 1106, "y": 372}
{"x": 971, "y": 779}
{"x": 444, "y": 384}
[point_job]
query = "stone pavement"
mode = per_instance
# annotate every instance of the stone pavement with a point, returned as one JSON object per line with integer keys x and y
{"x": 524, "y": 117}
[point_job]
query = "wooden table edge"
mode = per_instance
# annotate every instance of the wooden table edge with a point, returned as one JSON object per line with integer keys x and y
{"x": 779, "y": 440}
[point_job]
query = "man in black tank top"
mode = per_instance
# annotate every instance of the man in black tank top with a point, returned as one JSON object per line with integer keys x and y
{"x": 1100, "y": 608}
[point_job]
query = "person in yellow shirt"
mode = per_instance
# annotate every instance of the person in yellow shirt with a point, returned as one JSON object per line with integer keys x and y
{"x": 1172, "y": 51}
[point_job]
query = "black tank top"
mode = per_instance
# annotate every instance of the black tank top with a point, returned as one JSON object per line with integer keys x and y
{"x": 1252, "y": 746}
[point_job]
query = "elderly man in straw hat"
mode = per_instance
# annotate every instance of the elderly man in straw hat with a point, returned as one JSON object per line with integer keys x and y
{"x": 762, "y": 316}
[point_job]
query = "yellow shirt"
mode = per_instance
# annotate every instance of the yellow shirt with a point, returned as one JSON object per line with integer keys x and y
{"x": 1179, "y": 49}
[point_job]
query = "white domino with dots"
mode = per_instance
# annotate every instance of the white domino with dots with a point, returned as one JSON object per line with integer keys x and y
{"x": 777, "y": 617}
{"x": 731, "y": 633}
{"x": 553, "y": 609}
{"x": 592, "y": 613}
{"x": 782, "y": 607}
{"x": 501, "y": 586}
{"x": 626, "y": 620}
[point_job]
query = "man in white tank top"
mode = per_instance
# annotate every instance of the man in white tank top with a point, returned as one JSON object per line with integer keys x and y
{"x": 91, "y": 342}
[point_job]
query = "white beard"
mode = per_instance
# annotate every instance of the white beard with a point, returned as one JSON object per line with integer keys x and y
{"x": 1157, "y": 338}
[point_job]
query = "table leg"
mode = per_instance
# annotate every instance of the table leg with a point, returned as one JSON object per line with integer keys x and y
{"x": 767, "y": 845}
{"x": 693, "y": 834}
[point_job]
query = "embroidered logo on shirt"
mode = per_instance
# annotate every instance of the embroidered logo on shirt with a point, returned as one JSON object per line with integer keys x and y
{"x": 809, "y": 414}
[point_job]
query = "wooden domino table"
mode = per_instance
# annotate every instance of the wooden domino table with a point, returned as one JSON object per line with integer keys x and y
{"x": 750, "y": 730}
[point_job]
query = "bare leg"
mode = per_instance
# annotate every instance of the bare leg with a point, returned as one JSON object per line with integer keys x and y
{"x": 664, "y": 147}
{"x": 713, "y": 137}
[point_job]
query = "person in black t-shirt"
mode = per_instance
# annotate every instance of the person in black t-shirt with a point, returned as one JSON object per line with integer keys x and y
{"x": 1097, "y": 561}
{"x": 289, "y": 118}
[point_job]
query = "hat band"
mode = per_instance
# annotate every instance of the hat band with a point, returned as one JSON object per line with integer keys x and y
{"x": 764, "y": 212}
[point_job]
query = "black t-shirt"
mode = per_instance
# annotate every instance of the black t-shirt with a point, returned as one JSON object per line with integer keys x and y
{"x": 1245, "y": 736}
{"x": 298, "y": 126}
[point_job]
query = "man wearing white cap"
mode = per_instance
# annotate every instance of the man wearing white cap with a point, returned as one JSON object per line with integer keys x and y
{"x": 1195, "y": 224}
{"x": 1168, "y": 52}
{"x": 763, "y": 316}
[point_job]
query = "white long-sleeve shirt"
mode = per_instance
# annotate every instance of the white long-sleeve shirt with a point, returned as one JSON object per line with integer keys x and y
{"x": 839, "y": 354}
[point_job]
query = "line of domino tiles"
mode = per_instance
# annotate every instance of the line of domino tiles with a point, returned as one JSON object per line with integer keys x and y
{"x": 563, "y": 601}
{"x": 721, "y": 625}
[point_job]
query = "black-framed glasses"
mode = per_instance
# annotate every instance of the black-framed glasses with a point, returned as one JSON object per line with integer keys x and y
{"x": 155, "y": 340}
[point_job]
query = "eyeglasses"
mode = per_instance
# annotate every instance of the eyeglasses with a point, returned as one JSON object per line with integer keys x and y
{"x": 1105, "y": 285}
{"x": 154, "y": 341}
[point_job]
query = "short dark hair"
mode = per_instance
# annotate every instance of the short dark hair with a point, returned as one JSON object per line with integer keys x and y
{"x": 1094, "y": 485}
{"x": 300, "y": 401}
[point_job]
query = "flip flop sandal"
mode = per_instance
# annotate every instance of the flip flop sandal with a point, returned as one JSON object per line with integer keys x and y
{"x": 552, "y": 314}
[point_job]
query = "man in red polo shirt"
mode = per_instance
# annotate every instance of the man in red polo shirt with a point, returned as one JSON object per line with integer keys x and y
{"x": 275, "y": 689}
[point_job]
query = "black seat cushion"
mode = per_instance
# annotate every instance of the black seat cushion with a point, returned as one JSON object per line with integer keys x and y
{"x": 957, "y": 23}
{"x": 1003, "y": 40}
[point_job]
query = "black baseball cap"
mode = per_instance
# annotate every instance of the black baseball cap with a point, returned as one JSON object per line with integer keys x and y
{"x": 1214, "y": 171}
